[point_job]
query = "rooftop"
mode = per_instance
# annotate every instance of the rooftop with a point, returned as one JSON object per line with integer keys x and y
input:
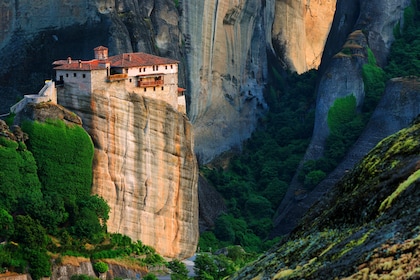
{"x": 124, "y": 60}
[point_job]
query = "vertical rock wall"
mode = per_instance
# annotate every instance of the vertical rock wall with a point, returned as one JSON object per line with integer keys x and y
{"x": 300, "y": 30}
{"x": 343, "y": 76}
{"x": 226, "y": 44}
{"x": 144, "y": 167}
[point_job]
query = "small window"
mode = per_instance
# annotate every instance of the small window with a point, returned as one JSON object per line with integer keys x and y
{"x": 144, "y": 89}
{"x": 130, "y": 80}
{"x": 172, "y": 66}
{"x": 144, "y": 69}
{"x": 157, "y": 67}
{"x": 166, "y": 67}
{"x": 74, "y": 75}
{"x": 84, "y": 75}
{"x": 154, "y": 88}
{"x": 139, "y": 69}
{"x": 162, "y": 88}
{"x": 67, "y": 75}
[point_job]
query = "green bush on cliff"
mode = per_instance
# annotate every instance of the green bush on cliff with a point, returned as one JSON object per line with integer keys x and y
{"x": 20, "y": 189}
{"x": 374, "y": 82}
{"x": 64, "y": 155}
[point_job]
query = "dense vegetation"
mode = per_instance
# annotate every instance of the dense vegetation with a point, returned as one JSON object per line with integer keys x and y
{"x": 46, "y": 206}
{"x": 257, "y": 178}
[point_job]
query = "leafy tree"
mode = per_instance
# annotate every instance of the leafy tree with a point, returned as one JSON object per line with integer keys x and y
{"x": 29, "y": 232}
{"x": 258, "y": 207}
{"x": 179, "y": 270}
{"x": 150, "y": 276}
{"x": 313, "y": 178}
{"x": 100, "y": 267}
{"x": 208, "y": 241}
{"x": 6, "y": 224}
{"x": 341, "y": 112}
{"x": 39, "y": 263}
{"x": 205, "y": 267}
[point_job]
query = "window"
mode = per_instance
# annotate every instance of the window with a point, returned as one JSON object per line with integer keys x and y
{"x": 130, "y": 80}
{"x": 166, "y": 67}
{"x": 84, "y": 75}
{"x": 74, "y": 75}
{"x": 144, "y": 69}
{"x": 172, "y": 66}
{"x": 162, "y": 88}
{"x": 139, "y": 69}
{"x": 144, "y": 89}
{"x": 157, "y": 67}
{"x": 67, "y": 75}
{"x": 154, "y": 88}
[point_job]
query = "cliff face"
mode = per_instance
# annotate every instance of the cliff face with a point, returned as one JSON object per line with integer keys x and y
{"x": 222, "y": 46}
{"x": 226, "y": 44}
{"x": 300, "y": 30}
{"x": 341, "y": 76}
{"x": 366, "y": 227}
{"x": 399, "y": 106}
{"x": 144, "y": 167}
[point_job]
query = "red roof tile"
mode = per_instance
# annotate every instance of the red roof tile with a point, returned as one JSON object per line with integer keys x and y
{"x": 125, "y": 60}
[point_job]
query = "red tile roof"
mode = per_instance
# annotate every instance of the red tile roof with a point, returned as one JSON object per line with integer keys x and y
{"x": 125, "y": 60}
{"x": 79, "y": 65}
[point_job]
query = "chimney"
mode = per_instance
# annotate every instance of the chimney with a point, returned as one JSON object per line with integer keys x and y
{"x": 80, "y": 64}
{"x": 101, "y": 53}
{"x": 129, "y": 57}
{"x": 69, "y": 60}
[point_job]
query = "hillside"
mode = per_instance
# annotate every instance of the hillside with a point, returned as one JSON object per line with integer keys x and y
{"x": 366, "y": 227}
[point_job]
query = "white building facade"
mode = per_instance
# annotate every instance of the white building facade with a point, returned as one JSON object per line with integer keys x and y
{"x": 140, "y": 73}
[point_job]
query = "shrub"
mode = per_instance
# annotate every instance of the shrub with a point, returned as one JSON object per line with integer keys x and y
{"x": 150, "y": 276}
{"x": 100, "y": 267}
{"x": 313, "y": 178}
{"x": 341, "y": 112}
{"x": 179, "y": 270}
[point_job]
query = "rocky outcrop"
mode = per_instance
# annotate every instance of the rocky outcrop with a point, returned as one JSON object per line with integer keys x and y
{"x": 144, "y": 167}
{"x": 399, "y": 106}
{"x": 300, "y": 31}
{"x": 343, "y": 76}
{"x": 366, "y": 226}
{"x": 226, "y": 44}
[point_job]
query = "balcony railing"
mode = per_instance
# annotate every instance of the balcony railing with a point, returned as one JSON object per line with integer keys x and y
{"x": 150, "y": 83}
{"x": 116, "y": 77}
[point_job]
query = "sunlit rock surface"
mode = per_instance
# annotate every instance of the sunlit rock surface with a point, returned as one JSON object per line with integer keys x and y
{"x": 300, "y": 31}
{"x": 144, "y": 167}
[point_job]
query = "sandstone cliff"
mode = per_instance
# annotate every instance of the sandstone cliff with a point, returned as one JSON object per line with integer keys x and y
{"x": 144, "y": 167}
{"x": 226, "y": 44}
{"x": 300, "y": 30}
{"x": 222, "y": 46}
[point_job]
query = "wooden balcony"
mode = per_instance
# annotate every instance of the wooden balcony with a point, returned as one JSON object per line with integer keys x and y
{"x": 117, "y": 77}
{"x": 150, "y": 83}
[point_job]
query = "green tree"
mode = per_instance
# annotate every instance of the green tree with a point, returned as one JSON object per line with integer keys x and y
{"x": 100, "y": 267}
{"x": 205, "y": 267}
{"x": 313, "y": 178}
{"x": 179, "y": 270}
{"x": 29, "y": 232}
{"x": 6, "y": 224}
{"x": 39, "y": 263}
{"x": 150, "y": 276}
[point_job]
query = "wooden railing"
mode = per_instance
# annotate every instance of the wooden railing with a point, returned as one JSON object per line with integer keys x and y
{"x": 151, "y": 83}
{"x": 116, "y": 77}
